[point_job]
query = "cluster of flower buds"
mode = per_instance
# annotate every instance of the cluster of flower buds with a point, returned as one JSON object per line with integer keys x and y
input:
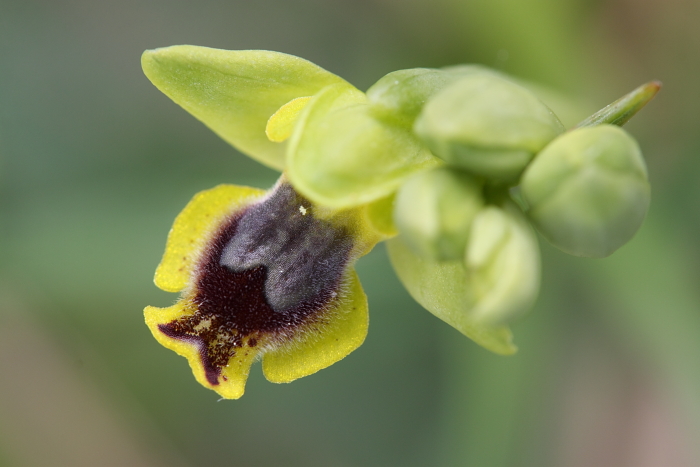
{"x": 464, "y": 243}
{"x": 426, "y": 159}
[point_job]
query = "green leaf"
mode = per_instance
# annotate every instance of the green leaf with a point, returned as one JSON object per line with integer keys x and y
{"x": 235, "y": 92}
{"x": 341, "y": 156}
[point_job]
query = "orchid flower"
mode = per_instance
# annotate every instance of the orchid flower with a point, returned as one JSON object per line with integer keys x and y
{"x": 425, "y": 159}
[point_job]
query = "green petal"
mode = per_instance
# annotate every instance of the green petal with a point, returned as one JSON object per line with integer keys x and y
{"x": 444, "y": 289}
{"x": 280, "y": 126}
{"x": 341, "y": 156}
{"x": 379, "y": 215}
{"x": 234, "y": 92}
{"x": 343, "y": 330}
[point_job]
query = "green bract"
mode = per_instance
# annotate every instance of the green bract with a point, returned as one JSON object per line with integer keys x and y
{"x": 434, "y": 211}
{"x": 234, "y": 92}
{"x": 487, "y": 125}
{"x": 588, "y": 191}
{"x": 350, "y": 148}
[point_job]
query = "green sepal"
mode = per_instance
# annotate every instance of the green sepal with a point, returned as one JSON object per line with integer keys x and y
{"x": 234, "y": 92}
{"x": 340, "y": 156}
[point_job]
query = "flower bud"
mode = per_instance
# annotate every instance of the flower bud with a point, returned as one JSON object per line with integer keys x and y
{"x": 503, "y": 261}
{"x": 445, "y": 289}
{"x": 434, "y": 211}
{"x": 399, "y": 96}
{"x": 487, "y": 125}
{"x": 588, "y": 191}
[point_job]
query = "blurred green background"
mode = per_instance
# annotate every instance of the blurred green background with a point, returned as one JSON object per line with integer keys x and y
{"x": 95, "y": 163}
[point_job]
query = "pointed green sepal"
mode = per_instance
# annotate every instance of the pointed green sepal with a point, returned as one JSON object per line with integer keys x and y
{"x": 234, "y": 92}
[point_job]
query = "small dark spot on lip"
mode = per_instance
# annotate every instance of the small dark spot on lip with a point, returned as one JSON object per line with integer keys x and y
{"x": 252, "y": 342}
{"x": 224, "y": 378}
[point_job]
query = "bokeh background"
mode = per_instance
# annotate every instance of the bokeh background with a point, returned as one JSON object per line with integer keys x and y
{"x": 95, "y": 163}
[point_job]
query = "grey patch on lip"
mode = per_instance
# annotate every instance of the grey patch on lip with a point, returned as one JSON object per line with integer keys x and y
{"x": 304, "y": 256}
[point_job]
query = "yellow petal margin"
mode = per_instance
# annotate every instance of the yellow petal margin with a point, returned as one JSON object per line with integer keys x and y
{"x": 192, "y": 227}
{"x": 233, "y": 377}
{"x": 325, "y": 343}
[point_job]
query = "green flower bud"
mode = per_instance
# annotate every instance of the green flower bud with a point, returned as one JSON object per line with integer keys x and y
{"x": 487, "y": 125}
{"x": 399, "y": 96}
{"x": 496, "y": 280}
{"x": 434, "y": 211}
{"x": 503, "y": 260}
{"x": 445, "y": 289}
{"x": 588, "y": 191}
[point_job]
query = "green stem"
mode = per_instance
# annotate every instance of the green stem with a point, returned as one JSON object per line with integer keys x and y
{"x": 623, "y": 109}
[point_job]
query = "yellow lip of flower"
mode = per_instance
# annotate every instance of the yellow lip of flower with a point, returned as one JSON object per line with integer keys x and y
{"x": 262, "y": 275}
